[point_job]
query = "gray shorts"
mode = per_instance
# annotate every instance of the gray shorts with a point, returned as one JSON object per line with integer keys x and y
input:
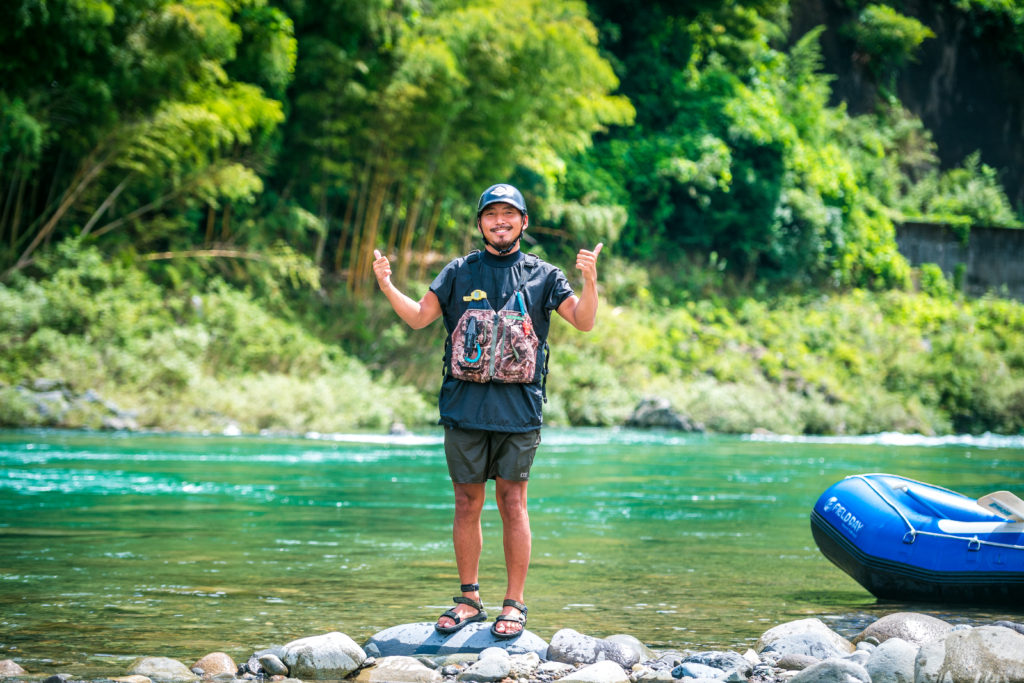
{"x": 475, "y": 455}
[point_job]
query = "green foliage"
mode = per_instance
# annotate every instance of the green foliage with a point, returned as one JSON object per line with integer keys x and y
{"x": 192, "y": 360}
{"x": 401, "y": 109}
{"x": 860, "y": 362}
{"x": 185, "y": 186}
{"x": 998, "y": 20}
{"x": 123, "y": 117}
{"x": 749, "y": 167}
{"x": 968, "y": 195}
{"x": 934, "y": 282}
{"x": 336, "y": 126}
{"x": 885, "y": 38}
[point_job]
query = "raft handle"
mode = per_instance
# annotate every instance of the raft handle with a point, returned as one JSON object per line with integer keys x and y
{"x": 974, "y": 544}
{"x": 910, "y": 537}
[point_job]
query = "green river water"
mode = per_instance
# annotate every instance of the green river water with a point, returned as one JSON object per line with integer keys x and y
{"x": 114, "y": 546}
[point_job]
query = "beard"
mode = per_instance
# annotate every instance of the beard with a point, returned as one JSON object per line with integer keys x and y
{"x": 503, "y": 242}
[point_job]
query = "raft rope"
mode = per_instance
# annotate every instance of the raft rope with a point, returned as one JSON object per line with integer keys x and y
{"x": 973, "y": 543}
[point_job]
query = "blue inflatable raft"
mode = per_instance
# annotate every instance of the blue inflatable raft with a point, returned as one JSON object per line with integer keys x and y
{"x": 909, "y": 541}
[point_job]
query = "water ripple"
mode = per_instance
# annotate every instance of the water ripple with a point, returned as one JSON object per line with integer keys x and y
{"x": 986, "y": 440}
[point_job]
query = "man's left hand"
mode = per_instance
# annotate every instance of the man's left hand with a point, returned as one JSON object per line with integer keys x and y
{"x": 586, "y": 262}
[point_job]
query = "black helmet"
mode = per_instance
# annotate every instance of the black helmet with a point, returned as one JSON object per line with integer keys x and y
{"x": 501, "y": 193}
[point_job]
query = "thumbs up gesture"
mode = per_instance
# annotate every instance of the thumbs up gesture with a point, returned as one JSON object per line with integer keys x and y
{"x": 381, "y": 269}
{"x": 586, "y": 262}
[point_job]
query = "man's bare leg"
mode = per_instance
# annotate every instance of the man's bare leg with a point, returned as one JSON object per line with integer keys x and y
{"x": 517, "y": 539}
{"x": 468, "y": 540}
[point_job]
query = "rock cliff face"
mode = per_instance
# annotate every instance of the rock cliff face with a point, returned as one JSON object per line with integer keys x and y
{"x": 964, "y": 85}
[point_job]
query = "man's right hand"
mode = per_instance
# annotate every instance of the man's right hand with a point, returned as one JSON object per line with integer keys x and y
{"x": 416, "y": 314}
{"x": 381, "y": 269}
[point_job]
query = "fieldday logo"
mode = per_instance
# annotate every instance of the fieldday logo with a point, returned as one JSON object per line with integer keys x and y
{"x": 848, "y": 519}
{"x": 502, "y": 191}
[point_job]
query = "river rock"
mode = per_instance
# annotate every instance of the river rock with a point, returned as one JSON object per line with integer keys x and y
{"x": 9, "y": 667}
{"x": 554, "y": 670}
{"x": 724, "y": 662}
{"x": 524, "y": 666}
{"x": 132, "y": 679}
{"x": 161, "y": 669}
{"x": 573, "y": 647}
{"x": 498, "y": 652}
{"x": 486, "y": 670}
{"x": 58, "y": 678}
{"x": 833, "y": 671}
{"x": 398, "y": 670}
{"x": 657, "y": 412}
{"x": 909, "y": 626}
{"x": 697, "y": 670}
{"x": 459, "y": 659}
{"x": 805, "y": 637}
{"x": 794, "y": 662}
{"x": 646, "y": 674}
{"x": 215, "y": 663}
{"x": 1019, "y": 628}
{"x": 329, "y": 656}
{"x": 272, "y": 664}
{"x": 893, "y": 662}
{"x": 423, "y": 639}
{"x": 605, "y": 671}
{"x": 986, "y": 654}
{"x": 624, "y": 640}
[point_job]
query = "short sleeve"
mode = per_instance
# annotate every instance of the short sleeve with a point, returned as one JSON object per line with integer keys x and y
{"x": 443, "y": 283}
{"x": 559, "y": 291}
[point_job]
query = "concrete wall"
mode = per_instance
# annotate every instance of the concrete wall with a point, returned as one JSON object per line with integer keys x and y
{"x": 993, "y": 258}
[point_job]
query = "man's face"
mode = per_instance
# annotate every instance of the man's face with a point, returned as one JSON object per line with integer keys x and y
{"x": 501, "y": 224}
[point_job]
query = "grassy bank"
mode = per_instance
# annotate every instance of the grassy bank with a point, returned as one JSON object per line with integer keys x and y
{"x": 211, "y": 357}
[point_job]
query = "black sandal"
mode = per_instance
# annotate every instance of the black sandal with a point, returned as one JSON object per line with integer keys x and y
{"x": 461, "y": 623}
{"x": 520, "y": 619}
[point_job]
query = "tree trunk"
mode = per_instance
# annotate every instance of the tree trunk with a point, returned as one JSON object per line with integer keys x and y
{"x": 211, "y": 221}
{"x": 89, "y": 171}
{"x": 396, "y": 217}
{"x": 19, "y": 204}
{"x": 8, "y": 206}
{"x": 428, "y": 240}
{"x": 343, "y": 233}
{"x": 107, "y": 203}
{"x": 356, "y": 225}
{"x": 321, "y": 240}
{"x": 141, "y": 211}
{"x": 225, "y": 226}
{"x": 371, "y": 229}
{"x": 409, "y": 232}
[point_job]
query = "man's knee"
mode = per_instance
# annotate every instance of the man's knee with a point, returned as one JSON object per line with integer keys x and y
{"x": 469, "y": 499}
{"x": 511, "y": 498}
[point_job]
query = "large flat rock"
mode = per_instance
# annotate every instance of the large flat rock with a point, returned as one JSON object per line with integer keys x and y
{"x": 423, "y": 639}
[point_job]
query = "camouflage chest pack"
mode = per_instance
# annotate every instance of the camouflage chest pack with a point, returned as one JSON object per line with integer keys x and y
{"x": 494, "y": 346}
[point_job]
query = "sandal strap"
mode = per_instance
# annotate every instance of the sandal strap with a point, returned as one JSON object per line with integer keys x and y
{"x": 469, "y": 587}
{"x": 469, "y": 601}
{"x": 509, "y": 602}
{"x": 453, "y": 615}
{"x": 518, "y": 619}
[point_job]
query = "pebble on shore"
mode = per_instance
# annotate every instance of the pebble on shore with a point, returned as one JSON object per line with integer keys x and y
{"x": 903, "y": 647}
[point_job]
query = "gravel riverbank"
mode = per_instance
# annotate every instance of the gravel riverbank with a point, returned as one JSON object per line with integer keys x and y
{"x": 903, "y": 647}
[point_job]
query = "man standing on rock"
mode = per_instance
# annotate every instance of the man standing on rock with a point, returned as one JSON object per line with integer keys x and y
{"x": 496, "y": 305}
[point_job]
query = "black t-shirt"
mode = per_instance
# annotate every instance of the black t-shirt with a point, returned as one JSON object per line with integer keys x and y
{"x": 494, "y": 406}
